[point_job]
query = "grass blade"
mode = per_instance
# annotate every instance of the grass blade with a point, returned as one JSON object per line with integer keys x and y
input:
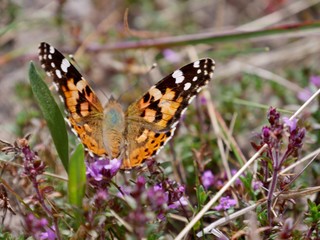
{"x": 77, "y": 181}
{"x": 51, "y": 113}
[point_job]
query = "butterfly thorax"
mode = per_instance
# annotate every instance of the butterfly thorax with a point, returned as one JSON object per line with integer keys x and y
{"x": 113, "y": 128}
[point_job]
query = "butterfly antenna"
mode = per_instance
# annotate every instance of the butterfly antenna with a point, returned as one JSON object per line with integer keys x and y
{"x": 92, "y": 83}
{"x": 153, "y": 66}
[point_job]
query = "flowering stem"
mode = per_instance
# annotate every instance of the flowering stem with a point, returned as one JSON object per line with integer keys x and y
{"x": 271, "y": 191}
{"x": 45, "y": 208}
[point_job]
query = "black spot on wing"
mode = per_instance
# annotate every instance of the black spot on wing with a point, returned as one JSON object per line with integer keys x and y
{"x": 154, "y": 153}
{"x": 87, "y": 90}
{"x": 158, "y": 116}
{"x": 143, "y": 114}
{"x": 168, "y": 134}
{"x": 146, "y": 97}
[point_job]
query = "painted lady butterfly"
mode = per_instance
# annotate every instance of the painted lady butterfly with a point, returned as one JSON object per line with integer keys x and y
{"x": 146, "y": 126}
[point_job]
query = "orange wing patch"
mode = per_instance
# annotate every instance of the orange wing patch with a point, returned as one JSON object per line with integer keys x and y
{"x": 88, "y": 136}
{"x": 153, "y": 144}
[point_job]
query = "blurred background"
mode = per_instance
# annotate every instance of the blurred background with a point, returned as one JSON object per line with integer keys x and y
{"x": 253, "y": 72}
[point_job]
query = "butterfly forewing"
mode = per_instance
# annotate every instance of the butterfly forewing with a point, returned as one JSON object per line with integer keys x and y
{"x": 152, "y": 119}
{"x": 84, "y": 108}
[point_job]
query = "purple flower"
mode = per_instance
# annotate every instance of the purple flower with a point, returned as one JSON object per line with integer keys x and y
{"x": 225, "y": 203}
{"x": 296, "y": 138}
{"x": 102, "y": 170}
{"x": 266, "y": 133}
{"x": 207, "y": 179}
{"x": 33, "y": 166}
{"x": 292, "y": 124}
{"x": 139, "y": 188}
{"x": 203, "y": 100}
{"x": 219, "y": 184}
{"x": 100, "y": 197}
{"x": 175, "y": 195}
{"x": 305, "y": 94}
{"x": 181, "y": 202}
{"x": 113, "y": 167}
{"x": 124, "y": 191}
{"x": 273, "y": 116}
{"x": 141, "y": 181}
{"x": 48, "y": 234}
{"x": 237, "y": 182}
{"x": 315, "y": 80}
{"x": 139, "y": 220}
{"x": 39, "y": 228}
{"x": 36, "y": 223}
{"x": 169, "y": 193}
{"x": 281, "y": 146}
{"x": 273, "y": 135}
{"x": 171, "y": 56}
{"x": 256, "y": 185}
{"x": 157, "y": 196}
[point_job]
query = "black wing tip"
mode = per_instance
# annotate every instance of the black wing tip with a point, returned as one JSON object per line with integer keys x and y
{"x": 43, "y": 44}
{"x": 209, "y": 60}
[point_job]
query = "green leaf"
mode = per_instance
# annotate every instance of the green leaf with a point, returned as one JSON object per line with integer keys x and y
{"x": 202, "y": 196}
{"x": 51, "y": 113}
{"x": 77, "y": 181}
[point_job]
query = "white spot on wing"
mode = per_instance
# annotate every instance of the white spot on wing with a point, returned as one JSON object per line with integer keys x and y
{"x": 51, "y": 49}
{"x": 159, "y": 149}
{"x": 178, "y": 75}
{"x": 183, "y": 111}
{"x": 167, "y": 140}
{"x": 75, "y": 132}
{"x": 44, "y": 56}
{"x": 53, "y": 65}
{"x": 186, "y": 86}
{"x": 195, "y": 78}
{"x": 191, "y": 99}
{"x": 56, "y": 87}
{"x": 67, "y": 121}
{"x": 61, "y": 98}
{"x": 65, "y": 64}
{"x": 90, "y": 153}
{"x": 199, "y": 89}
{"x": 58, "y": 73}
{"x": 196, "y": 64}
{"x": 199, "y": 71}
{"x": 179, "y": 79}
{"x": 155, "y": 92}
{"x": 49, "y": 56}
{"x": 174, "y": 124}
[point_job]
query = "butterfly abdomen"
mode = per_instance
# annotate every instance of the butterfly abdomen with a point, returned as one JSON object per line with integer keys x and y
{"x": 113, "y": 128}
